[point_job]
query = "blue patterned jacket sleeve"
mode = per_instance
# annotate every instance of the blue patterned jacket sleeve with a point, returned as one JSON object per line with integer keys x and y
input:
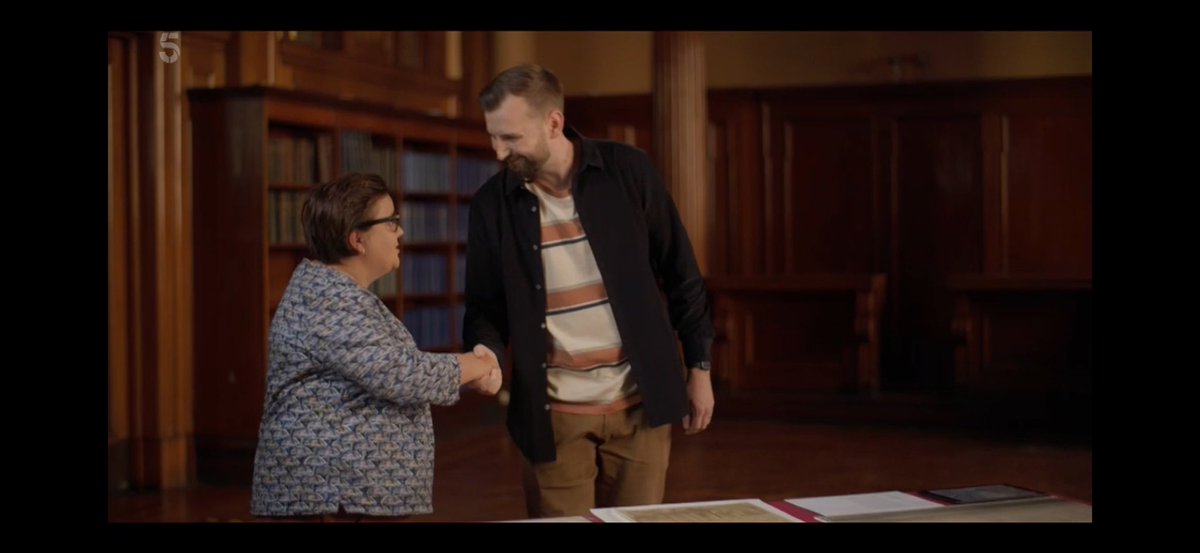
{"x": 362, "y": 340}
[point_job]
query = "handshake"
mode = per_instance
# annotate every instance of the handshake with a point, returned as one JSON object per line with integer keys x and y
{"x": 481, "y": 370}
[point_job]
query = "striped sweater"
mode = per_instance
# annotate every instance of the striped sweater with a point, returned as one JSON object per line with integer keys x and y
{"x": 587, "y": 370}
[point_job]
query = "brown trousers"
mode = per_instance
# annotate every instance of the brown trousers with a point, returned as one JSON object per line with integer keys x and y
{"x": 609, "y": 460}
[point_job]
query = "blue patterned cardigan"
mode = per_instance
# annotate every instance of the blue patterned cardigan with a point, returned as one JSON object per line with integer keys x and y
{"x": 346, "y": 420}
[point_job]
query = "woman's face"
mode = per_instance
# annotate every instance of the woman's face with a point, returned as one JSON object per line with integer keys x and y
{"x": 382, "y": 240}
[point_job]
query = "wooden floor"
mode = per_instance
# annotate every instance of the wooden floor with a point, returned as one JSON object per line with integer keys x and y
{"x": 478, "y": 470}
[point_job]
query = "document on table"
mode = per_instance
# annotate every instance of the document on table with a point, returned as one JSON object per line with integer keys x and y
{"x": 863, "y": 503}
{"x": 737, "y": 510}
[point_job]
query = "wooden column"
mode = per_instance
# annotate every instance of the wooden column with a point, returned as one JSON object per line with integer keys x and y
{"x": 150, "y": 376}
{"x": 681, "y": 130}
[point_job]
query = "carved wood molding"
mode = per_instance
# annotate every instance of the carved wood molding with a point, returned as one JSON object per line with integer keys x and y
{"x": 342, "y": 67}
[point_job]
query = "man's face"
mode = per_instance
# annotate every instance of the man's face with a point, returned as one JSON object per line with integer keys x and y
{"x": 519, "y": 136}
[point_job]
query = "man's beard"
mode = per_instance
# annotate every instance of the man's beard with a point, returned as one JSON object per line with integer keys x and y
{"x": 522, "y": 166}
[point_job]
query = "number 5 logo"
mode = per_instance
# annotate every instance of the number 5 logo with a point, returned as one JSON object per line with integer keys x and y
{"x": 169, "y": 47}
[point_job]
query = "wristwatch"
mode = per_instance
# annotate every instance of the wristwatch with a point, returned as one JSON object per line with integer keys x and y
{"x": 703, "y": 366}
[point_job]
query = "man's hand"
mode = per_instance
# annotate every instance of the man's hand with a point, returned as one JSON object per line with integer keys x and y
{"x": 700, "y": 401}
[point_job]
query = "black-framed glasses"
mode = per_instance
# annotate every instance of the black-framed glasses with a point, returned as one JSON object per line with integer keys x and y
{"x": 394, "y": 220}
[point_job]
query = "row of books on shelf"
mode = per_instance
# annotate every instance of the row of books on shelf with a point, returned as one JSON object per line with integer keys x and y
{"x": 431, "y": 326}
{"x": 988, "y": 503}
{"x": 361, "y": 153}
{"x": 473, "y": 172}
{"x": 423, "y": 172}
{"x": 424, "y": 273}
{"x": 463, "y": 222}
{"x": 426, "y": 173}
{"x": 297, "y": 158}
{"x": 460, "y": 270}
{"x": 426, "y": 222}
{"x": 283, "y": 217}
{"x": 429, "y": 173}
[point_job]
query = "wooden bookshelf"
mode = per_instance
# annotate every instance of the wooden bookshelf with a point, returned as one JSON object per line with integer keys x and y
{"x": 257, "y": 151}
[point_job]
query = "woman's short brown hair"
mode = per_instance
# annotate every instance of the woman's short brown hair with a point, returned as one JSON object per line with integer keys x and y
{"x": 331, "y": 211}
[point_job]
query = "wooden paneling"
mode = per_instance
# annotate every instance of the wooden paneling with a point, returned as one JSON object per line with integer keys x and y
{"x": 794, "y": 336}
{"x": 1049, "y": 193}
{"x": 820, "y": 197}
{"x": 369, "y": 80}
{"x": 735, "y": 161}
{"x": 625, "y": 119}
{"x": 230, "y": 358}
{"x": 920, "y": 181}
{"x": 253, "y": 58}
{"x": 1024, "y": 336}
{"x": 119, "y": 294}
{"x": 939, "y": 231}
{"x": 230, "y": 328}
{"x": 378, "y": 47}
{"x": 477, "y": 72}
{"x": 433, "y": 44}
{"x": 207, "y": 60}
{"x": 149, "y": 296}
